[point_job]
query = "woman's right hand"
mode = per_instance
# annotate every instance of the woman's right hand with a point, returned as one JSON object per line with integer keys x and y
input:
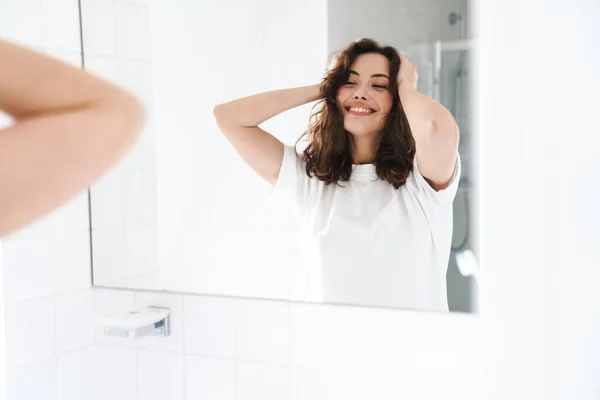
{"x": 332, "y": 62}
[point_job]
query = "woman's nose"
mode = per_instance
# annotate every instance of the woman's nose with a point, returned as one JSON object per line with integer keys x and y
{"x": 360, "y": 93}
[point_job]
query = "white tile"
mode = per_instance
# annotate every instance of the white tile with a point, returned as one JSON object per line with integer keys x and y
{"x": 133, "y": 33}
{"x": 142, "y": 254}
{"x": 104, "y": 67}
{"x": 379, "y": 338}
{"x": 66, "y": 256}
{"x": 30, "y": 332}
{"x": 143, "y": 153}
{"x": 110, "y": 263}
{"x": 409, "y": 382}
{"x": 108, "y": 199}
{"x": 98, "y": 24}
{"x": 209, "y": 378}
{"x": 314, "y": 383}
{"x": 72, "y": 58}
{"x": 174, "y": 303}
{"x": 21, "y": 21}
{"x": 263, "y": 331}
{"x": 108, "y": 302}
{"x": 143, "y": 3}
{"x": 27, "y": 272}
{"x": 160, "y": 375}
{"x": 77, "y": 374}
{"x": 116, "y": 371}
{"x": 149, "y": 281}
{"x": 209, "y": 326}
{"x": 72, "y": 216}
{"x": 60, "y": 22}
{"x": 74, "y": 321}
{"x": 378, "y": 385}
{"x": 35, "y": 381}
{"x": 136, "y": 77}
{"x": 256, "y": 381}
{"x": 320, "y": 335}
{"x": 73, "y": 266}
{"x": 140, "y": 195}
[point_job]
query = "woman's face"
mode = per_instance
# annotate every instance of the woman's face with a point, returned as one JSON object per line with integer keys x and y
{"x": 365, "y": 97}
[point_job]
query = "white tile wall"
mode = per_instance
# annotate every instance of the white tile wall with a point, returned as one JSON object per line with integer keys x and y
{"x": 209, "y": 326}
{"x": 116, "y": 373}
{"x": 141, "y": 250}
{"x": 110, "y": 264}
{"x": 99, "y": 28}
{"x": 77, "y": 374}
{"x": 160, "y": 375}
{"x": 30, "y": 332}
{"x": 132, "y": 27}
{"x": 74, "y": 320}
{"x": 60, "y": 25}
{"x": 318, "y": 383}
{"x": 321, "y": 335}
{"x": 209, "y": 378}
{"x": 262, "y": 331}
{"x": 245, "y": 349}
{"x": 34, "y": 381}
{"x": 259, "y": 381}
{"x": 46, "y": 267}
{"x": 21, "y": 21}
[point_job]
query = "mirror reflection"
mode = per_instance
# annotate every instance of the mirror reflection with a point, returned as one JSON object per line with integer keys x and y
{"x": 318, "y": 152}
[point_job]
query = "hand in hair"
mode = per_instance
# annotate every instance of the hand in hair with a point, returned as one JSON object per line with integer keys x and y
{"x": 407, "y": 72}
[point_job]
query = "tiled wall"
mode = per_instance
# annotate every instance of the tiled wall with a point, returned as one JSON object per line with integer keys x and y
{"x": 45, "y": 269}
{"x": 220, "y": 348}
{"x": 227, "y": 348}
{"x": 124, "y": 202}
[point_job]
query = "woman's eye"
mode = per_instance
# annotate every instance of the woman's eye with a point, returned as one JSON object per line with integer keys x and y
{"x": 350, "y": 83}
{"x": 380, "y": 87}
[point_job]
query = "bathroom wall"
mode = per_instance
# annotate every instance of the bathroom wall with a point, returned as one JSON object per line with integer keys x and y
{"x": 541, "y": 306}
{"x": 221, "y": 348}
{"x": 45, "y": 269}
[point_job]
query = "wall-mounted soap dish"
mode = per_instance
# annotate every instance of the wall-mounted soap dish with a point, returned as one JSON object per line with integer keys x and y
{"x": 150, "y": 321}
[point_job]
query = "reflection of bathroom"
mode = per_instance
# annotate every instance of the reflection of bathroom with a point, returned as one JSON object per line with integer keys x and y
{"x": 442, "y": 54}
{"x": 455, "y": 94}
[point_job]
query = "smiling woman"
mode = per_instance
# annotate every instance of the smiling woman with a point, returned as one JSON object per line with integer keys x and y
{"x": 380, "y": 228}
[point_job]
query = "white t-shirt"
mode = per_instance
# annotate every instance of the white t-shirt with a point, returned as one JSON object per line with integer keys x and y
{"x": 368, "y": 243}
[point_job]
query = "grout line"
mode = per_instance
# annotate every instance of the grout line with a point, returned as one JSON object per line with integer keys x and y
{"x": 235, "y": 304}
{"x": 183, "y": 347}
{"x": 55, "y": 356}
{"x": 291, "y": 349}
{"x": 47, "y": 297}
{"x": 55, "y": 352}
{"x": 137, "y": 373}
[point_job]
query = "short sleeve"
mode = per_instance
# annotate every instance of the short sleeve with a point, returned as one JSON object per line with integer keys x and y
{"x": 292, "y": 187}
{"x": 424, "y": 192}
{"x": 437, "y": 207}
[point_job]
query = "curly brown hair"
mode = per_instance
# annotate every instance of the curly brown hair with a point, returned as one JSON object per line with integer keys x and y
{"x": 328, "y": 155}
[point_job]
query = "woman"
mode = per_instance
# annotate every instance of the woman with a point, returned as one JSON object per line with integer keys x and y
{"x": 69, "y": 127}
{"x": 375, "y": 183}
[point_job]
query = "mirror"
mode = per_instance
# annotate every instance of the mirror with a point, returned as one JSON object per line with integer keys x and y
{"x": 184, "y": 212}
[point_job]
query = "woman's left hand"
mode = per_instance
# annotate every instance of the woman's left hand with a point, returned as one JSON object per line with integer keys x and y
{"x": 407, "y": 73}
